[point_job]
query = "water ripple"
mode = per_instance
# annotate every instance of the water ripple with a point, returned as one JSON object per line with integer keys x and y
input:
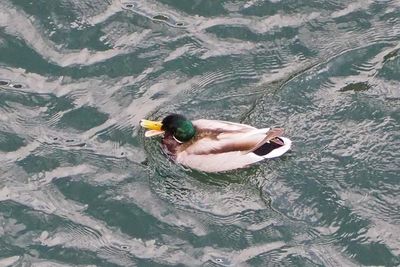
{"x": 82, "y": 186}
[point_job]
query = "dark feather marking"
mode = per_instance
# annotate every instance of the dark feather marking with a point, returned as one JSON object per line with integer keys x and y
{"x": 273, "y": 133}
{"x": 266, "y": 148}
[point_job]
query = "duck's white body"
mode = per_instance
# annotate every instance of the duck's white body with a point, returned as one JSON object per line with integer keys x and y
{"x": 221, "y": 146}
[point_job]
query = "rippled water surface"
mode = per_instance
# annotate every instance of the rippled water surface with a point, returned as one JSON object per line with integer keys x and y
{"x": 80, "y": 186}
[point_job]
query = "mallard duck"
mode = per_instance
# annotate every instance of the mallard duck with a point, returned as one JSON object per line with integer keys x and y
{"x": 216, "y": 146}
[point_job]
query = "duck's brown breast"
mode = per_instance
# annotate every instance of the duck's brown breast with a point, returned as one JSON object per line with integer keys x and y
{"x": 170, "y": 145}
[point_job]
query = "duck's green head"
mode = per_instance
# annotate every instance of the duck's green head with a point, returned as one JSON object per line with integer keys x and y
{"x": 176, "y": 125}
{"x": 179, "y": 127}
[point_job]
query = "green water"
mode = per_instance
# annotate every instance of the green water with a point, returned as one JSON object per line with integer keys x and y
{"x": 80, "y": 185}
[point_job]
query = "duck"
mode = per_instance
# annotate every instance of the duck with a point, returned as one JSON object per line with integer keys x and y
{"x": 215, "y": 145}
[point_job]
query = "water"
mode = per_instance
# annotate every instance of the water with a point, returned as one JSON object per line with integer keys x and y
{"x": 80, "y": 185}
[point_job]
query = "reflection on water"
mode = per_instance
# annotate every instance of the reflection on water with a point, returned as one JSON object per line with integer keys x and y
{"x": 81, "y": 185}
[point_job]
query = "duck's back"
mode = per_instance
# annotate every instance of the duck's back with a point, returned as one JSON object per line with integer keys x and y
{"x": 221, "y": 146}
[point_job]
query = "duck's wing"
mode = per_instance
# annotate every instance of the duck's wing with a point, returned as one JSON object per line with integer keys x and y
{"x": 217, "y": 141}
{"x": 222, "y": 126}
{"x": 216, "y": 150}
{"x": 231, "y": 160}
{"x": 211, "y": 155}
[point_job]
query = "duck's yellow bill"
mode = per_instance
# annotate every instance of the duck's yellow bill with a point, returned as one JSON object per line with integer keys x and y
{"x": 153, "y": 126}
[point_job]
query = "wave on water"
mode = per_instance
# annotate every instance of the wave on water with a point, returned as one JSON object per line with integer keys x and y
{"x": 81, "y": 186}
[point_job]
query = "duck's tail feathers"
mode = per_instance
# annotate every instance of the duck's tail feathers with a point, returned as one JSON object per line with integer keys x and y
{"x": 273, "y": 149}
